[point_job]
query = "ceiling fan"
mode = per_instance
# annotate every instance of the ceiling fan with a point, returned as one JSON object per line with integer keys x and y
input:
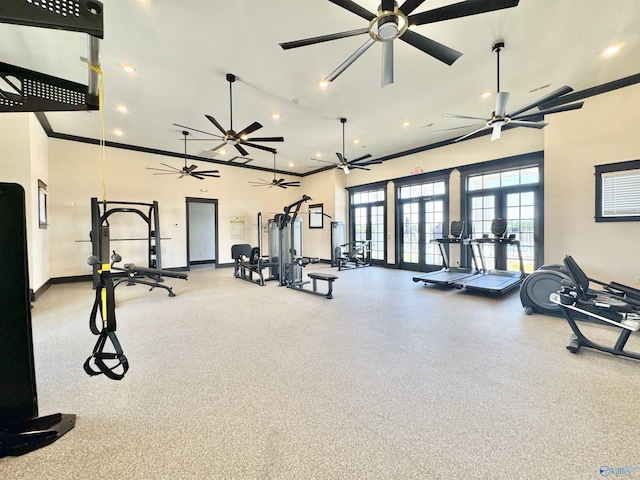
{"x": 280, "y": 182}
{"x": 231, "y": 137}
{"x": 190, "y": 171}
{"x": 345, "y": 164}
{"x": 391, "y": 22}
{"x": 518, "y": 118}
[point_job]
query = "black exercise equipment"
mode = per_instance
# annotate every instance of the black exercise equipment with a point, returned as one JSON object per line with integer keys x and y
{"x": 96, "y": 363}
{"x": 354, "y": 254}
{"x": 617, "y": 305}
{"x": 493, "y": 281}
{"x": 247, "y": 262}
{"x": 152, "y": 275}
{"x": 539, "y": 285}
{"x": 448, "y": 275}
{"x": 21, "y": 430}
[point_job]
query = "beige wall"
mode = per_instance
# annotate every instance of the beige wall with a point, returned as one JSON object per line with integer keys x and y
{"x": 603, "y": 131}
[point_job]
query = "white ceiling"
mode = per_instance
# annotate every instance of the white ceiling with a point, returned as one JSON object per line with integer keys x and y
{"x": 183, "y": 49}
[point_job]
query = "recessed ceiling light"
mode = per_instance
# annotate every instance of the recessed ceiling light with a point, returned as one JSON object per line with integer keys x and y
{"x": 486, "y": 94}
{"x": 128, "y": 68}
{"x": 122, "y": 108}
{"x": 406, "y": 123}
{"x": 318, "y": 154}
{"x": 356, "y": 140}
{"x": 613, "y": 49}
{"x": 323, "y": 83}
{"x": 222, "y": 152}
{"x": 291, "y": 164}
{"x": 117, "y": 131}
{"x": 275, "y": 115}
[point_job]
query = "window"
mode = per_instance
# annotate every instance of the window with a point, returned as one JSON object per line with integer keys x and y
{"x": 42, "y": 204}
{"x": 618, "y": 192}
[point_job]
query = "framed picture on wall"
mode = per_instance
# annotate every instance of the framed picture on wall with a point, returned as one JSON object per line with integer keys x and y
{"x": 315, "y": 216}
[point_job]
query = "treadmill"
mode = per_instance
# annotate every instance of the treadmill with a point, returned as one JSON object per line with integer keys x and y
{"x": 493, "y": 281}
{"x": 448, "y": 275}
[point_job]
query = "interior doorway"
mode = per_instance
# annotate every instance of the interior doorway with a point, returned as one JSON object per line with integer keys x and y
{"x": 202, "y": 231}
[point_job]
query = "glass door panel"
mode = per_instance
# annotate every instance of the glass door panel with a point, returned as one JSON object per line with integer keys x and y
{"x": 410, "y": 234}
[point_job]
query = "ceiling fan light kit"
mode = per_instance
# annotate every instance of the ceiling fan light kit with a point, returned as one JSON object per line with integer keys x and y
{"x": 392, "y": 22}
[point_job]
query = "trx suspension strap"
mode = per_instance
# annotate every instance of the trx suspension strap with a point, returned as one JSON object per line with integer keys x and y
{"x": 105, "y": 303}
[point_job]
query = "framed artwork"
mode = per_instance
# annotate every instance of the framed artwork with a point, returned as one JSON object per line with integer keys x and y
{"x": 316, "y": 216}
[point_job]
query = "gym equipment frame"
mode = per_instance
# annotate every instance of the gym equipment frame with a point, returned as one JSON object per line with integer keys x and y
{"x": 285, "y": 245}
{"x": 29, "y": 91}
{"x": 618, "y": 306}
{"x": 100, "y": 244}
{"x": 21, "y": 430}
{"x": 353, "y": 254}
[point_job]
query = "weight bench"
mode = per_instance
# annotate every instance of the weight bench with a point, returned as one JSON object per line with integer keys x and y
{"x": 326, "y": 277}
{"x": 136, "y": 275}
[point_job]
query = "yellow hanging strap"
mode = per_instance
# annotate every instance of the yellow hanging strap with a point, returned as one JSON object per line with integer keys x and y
{"x": 103, "y": 162}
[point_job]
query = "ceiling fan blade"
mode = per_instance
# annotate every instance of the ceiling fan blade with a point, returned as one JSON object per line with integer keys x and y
{"x": 354, "y": 8}
{"x": 172, "y": 168}
{"x": 165, "y": 173}
{"x": 501, "y": 103}
{"x": 522, "y": 123}
{"x": 352, "y": 58}
{"x": 196, "y": 130}
{"x": 341, "y": 158}
{"x": 351, "y": 162}
{"x": 361, "y": 167}
{"x": 250, "y": 129}
{"x": 461, "y": 9}
{"x": 410, "y": 5}
{"x": 215, "y": 122}
{"x": 547, "y": 98}
{"x": 452, "y": 115}
{"x": 455, "y": 128}
{"x": 259, "y": 147}
{"x": 208, "y": 171}
{"x": 387, "y": 64}
{"x": 161, "y": 169}
{"x": 192, "y": 168}
{"x": 431, "y": 47}
{"x": 370, "y": 162}
{"x": 212, "y": 175}
{"x": 195, "y": 175}
{"x": 323, "y": 161}
{"x": 218, "y": 147}
{"x": 323, "y": 38}
{"x": 265, "y": 139}
{"x": 561, "y": 108}
{"x": 387, "y": 5}
{"x": 242, "y": 151}
{"x": 472, "y": 133}
{"x": 291, "y": 184}
{"x": 495, "y": 135}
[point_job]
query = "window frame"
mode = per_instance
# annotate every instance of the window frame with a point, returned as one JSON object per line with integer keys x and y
{"x": 43, "y": 218}
{"x": 610, "y": 168}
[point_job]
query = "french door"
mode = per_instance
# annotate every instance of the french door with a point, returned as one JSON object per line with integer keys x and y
{"x": 519, "y": 206}
{"x": 369, "y": 224}
{"x": 422, "y": 221}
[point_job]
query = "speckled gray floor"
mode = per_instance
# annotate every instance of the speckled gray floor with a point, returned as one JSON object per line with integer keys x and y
{"x": 389, "y": 380}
